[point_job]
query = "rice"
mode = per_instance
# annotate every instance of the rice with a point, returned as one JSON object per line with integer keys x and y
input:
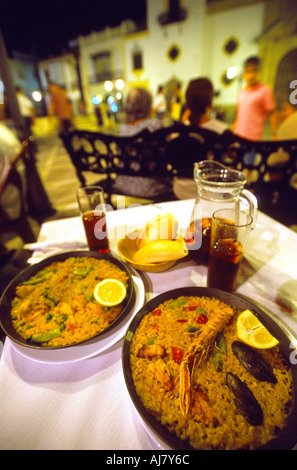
{"x": 58, "y": 302}
{"x": 214, "y": 421}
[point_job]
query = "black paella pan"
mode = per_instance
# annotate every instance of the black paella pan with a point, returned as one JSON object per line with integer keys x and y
{"x": 160, "y": 433}
{"x": 9, "y": 294}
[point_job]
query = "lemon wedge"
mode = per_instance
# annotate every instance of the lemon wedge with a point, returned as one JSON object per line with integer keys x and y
{"x": 110, "y": 292}
{"x": 252, "y": 332}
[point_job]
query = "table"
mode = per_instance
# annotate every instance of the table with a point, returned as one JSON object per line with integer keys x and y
{"x": 84, "y": 404}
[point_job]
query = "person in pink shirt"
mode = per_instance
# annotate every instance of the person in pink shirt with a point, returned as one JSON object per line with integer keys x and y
{"x": 254, "y": 105}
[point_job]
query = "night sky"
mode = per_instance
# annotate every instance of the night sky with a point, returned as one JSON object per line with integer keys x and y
{"x": 45, "y": 27}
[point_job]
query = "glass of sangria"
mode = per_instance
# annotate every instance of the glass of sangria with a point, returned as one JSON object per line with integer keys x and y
{"x": 93, "y": 212}
{"x": 230, "y": 230}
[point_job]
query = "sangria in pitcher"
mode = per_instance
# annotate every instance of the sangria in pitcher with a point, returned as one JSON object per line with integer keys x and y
{"x": 218, "y": 187}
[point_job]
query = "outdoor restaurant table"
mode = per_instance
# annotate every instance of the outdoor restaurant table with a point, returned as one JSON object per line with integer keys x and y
{"x": 84, "y": 404}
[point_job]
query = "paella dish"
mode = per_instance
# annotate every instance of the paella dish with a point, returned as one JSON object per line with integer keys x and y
{"x": 56, "y": 306}
{"x": 203, "y": 384}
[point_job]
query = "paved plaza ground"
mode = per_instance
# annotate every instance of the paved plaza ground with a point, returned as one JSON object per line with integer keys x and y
{"x": 57, "y": 171}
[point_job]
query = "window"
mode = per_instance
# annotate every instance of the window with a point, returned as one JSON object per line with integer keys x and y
{"x": 102, "y": 66}
{"x": 174, "y": 14}
{"x": 55, "y": 73}
{"x": 137, "y": 60}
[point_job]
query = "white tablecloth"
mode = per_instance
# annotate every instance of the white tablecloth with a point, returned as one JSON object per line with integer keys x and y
{"x": 85, "y": 404}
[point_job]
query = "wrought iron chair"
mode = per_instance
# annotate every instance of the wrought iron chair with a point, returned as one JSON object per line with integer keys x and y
{"x": 271, "y": 167}
{"x": 171, "y": 152}
{"x": 163, "y": 154}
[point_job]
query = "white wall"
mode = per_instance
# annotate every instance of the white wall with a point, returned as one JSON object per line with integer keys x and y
{"x": 156, "y": 42}
{"x": 201, "y": 38}
{"x": 111, "y": 40}
{"x": 187, "y": 35}
{"x": 243, "y": 23}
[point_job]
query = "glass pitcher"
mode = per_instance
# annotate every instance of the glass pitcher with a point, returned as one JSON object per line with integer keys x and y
{"x": 218, "y": 187}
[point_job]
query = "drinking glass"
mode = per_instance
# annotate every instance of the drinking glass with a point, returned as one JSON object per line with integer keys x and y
{"x": 93, "y": 212}
{"x": 230, "y": 230}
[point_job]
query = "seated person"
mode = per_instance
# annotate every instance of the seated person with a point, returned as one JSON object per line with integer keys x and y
{"x": 138, "y": 113}
{"x": 10, "y": 146}
{"x": 288, "y": 128}
{"x": 138, "y": 110}
{"x": 199, "y": 96}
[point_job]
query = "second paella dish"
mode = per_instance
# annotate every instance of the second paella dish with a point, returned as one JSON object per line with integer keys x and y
{"x": 204, "y": 384}
{"x": 57, "y": 306}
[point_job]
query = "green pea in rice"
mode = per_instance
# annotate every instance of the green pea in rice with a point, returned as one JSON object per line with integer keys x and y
{"x": 58, "y": 301}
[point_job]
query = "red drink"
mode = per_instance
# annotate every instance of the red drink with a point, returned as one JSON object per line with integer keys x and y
{"x": 199, "y": 251}
{"x": 223, "y": 265}
{"x": 95, "y": 228}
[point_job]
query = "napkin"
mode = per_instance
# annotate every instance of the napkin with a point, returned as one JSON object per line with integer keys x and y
{"x": 44, "y": 249}
{"x": 48, "y": 246}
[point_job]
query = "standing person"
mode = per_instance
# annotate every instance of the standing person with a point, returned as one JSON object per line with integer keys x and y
{"x": 60, "y": 105}
{"x": 288, "y": 128}
{"x": 255, "y": 103}
{"x": 160, "y": 105}
{"x": 199, "y": 95}
{"x": 176, "y": 104}
{"x": 98, "y": 112}
{"x": 26, "y": 109}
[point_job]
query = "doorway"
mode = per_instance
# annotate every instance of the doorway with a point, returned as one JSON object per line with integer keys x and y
{"x": 286, "y": 73}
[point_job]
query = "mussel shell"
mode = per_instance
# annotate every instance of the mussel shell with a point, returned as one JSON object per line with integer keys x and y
{"x": 253, "y": 362}
{"x": 245, "y": 401}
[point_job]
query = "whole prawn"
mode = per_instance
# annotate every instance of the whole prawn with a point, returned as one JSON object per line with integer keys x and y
{"x": 197, "y": 352}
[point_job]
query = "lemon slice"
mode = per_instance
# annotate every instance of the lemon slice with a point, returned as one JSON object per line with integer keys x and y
{"x": 252, "y": 332}
{"x": 110, "y": 292}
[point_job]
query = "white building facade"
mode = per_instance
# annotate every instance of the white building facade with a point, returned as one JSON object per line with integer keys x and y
{"x": 186, "y": 39}
{"x": 192, "y": 45}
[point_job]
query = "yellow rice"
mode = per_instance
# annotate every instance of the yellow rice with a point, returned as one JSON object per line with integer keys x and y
{"x": 60, "y": 296}
{"x": 230, "y": 430}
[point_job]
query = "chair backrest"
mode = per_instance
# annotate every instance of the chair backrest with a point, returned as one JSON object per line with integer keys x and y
{"x": 270, "y": 161}
{"x": 107, "y": 154}
{"x": 168, "y": 151}
{"x": 271, "y": 167}
{"x": 181, "y": 146}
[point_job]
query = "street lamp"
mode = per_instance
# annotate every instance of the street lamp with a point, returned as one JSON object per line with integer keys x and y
{"x": 119, "y": 84}
{"x": 231, "y": 72}
{"x": 108, "y": 85}
{"x": 37, "y": 96}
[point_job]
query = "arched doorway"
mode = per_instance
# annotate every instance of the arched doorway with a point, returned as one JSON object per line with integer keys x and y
{"x": 287, "y": 71}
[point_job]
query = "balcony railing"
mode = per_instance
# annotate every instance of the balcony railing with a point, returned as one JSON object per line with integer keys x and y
{"x": 98, "y": 77}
